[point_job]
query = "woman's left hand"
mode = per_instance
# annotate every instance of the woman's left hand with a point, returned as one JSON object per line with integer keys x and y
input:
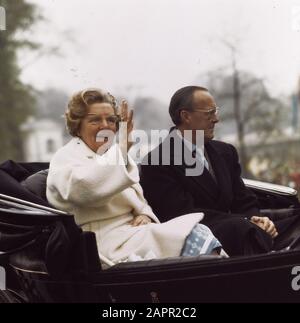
{"x": 140, "y": 220}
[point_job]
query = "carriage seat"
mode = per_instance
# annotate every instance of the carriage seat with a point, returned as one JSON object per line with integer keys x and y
{"x": 37, "y": 183}
{"x": 284, "y": 203}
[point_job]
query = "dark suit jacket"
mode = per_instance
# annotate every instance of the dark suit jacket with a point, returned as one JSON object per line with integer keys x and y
{"x": 226, "y": 202}
{"x": 171, "y": 193}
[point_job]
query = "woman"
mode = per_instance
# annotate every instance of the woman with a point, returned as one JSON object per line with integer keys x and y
{"x": 90, "y": 178}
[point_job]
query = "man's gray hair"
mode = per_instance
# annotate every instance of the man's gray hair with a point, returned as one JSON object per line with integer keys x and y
{"x": 183, "y": 99}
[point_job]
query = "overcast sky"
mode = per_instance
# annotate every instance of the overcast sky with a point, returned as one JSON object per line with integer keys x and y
{"x": 153, "y": 47}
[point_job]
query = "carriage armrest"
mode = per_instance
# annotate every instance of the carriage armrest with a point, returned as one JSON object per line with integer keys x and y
{"x": 269, "y": 187}
{"x": 273, "y": 196}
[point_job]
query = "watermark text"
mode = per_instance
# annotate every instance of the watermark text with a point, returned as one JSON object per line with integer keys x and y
{"x": 2, "y": 278}
{"x": 186, "y": 149}
{"x": 296, "y": 279}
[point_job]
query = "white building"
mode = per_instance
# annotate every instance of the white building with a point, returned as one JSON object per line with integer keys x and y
{"x": 41, "y": 139}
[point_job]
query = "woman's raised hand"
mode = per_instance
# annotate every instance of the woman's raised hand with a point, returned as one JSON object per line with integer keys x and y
{"x": 126, "y": 117}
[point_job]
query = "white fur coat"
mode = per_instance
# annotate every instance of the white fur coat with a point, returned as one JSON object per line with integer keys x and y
{"x": 104, "y": 195}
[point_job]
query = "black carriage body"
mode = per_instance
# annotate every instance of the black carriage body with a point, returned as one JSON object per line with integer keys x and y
{"x": 48, "y": 258}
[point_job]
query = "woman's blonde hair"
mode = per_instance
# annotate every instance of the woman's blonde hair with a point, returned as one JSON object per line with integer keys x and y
{"x": 78, "y": 104}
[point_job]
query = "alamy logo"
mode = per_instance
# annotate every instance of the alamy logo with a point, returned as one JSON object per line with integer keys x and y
{"x": 296, "y": 279}
{"x": 171, "y": 150}
{"x": 2, "y": 19}
{"x": 2, "y": 279}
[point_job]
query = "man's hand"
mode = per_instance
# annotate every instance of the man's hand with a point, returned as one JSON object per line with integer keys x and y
{"x": 140, "y": 220}
{"x": 266, "y": 224}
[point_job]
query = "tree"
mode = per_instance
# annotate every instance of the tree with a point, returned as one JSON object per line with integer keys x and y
{"x": 52, "y": 104}
{"x": 248, "y": 108}
{"x": 246, "y": 102}
{"x": 16, "y": 98}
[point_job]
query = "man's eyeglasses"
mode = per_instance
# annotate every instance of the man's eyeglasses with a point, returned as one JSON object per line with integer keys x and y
{"x": 110, "y": 120}
{"x": 210, "y": 114}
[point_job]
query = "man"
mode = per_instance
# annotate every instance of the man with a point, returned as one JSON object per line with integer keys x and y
{"x": 231, "y": 210}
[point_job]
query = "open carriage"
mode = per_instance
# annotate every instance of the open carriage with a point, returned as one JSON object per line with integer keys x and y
{"x": 48, "y": 258}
